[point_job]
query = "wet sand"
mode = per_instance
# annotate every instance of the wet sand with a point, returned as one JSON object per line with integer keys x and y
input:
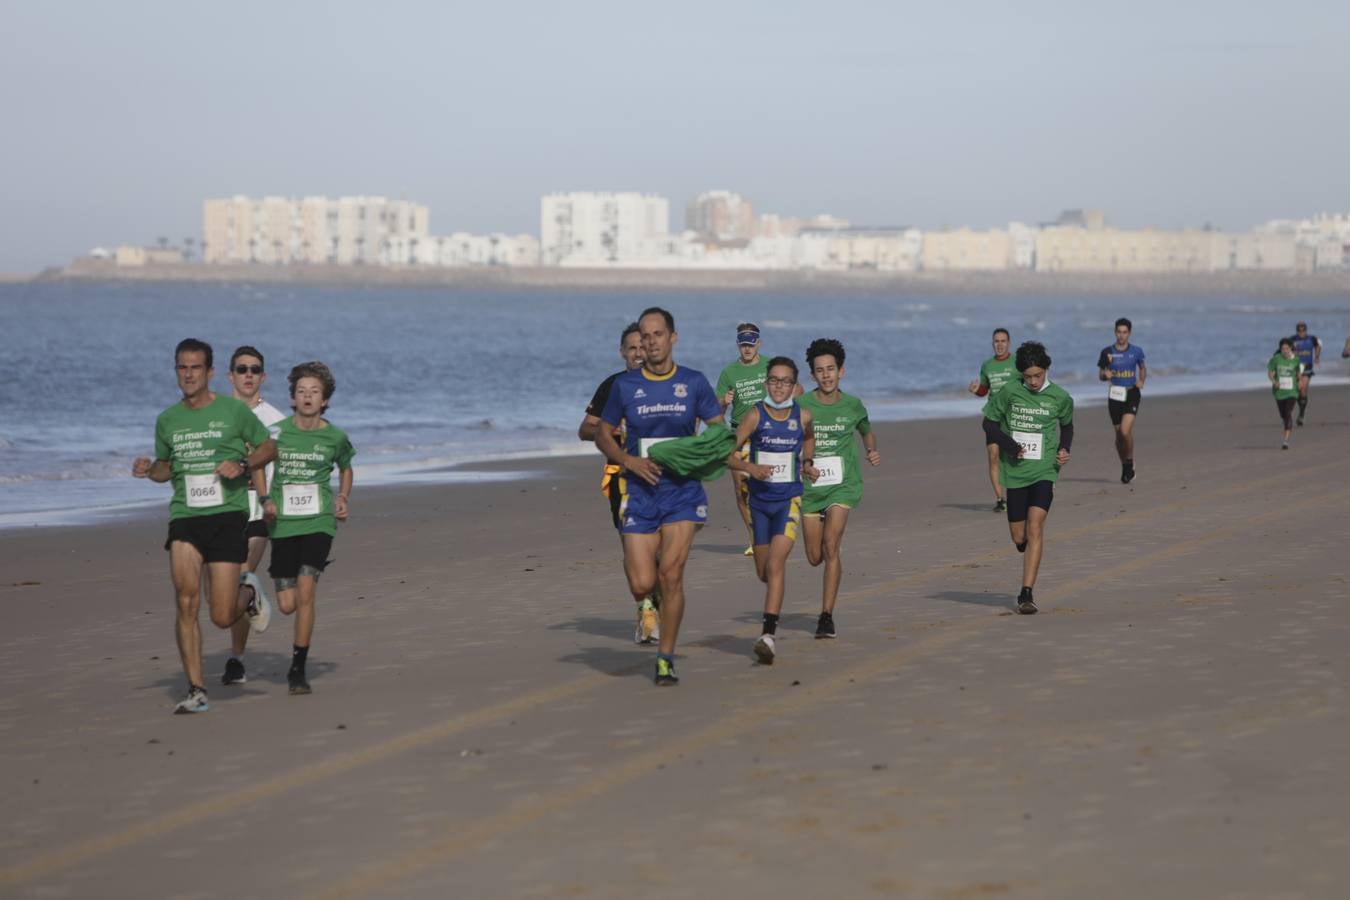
{"x": 1174, "y": 722}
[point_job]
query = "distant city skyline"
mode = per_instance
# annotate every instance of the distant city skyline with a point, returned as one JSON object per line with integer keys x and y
{"x": 122, "y": 118}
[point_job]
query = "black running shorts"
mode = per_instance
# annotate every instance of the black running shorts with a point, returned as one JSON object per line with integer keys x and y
{"x": 256, "y": 528}
{"x": 289, "y": 554}
{"x": 218, "y": 537}
{"x": 1041, "y": 494}
{"x": 1121, "y": 408}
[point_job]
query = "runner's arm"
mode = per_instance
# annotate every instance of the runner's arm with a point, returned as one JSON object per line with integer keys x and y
{"x": 1143, "y": 372}
{"x": 344, "y": 495}
{"x": 808, "y": 451}
{"x": 994, "y": 435}
{"x": 160, "y": 470}
{"x": 1104, "y": 367}
{"x": 1065, "y": 436}
{"x": 588, "y": 428}
{"x": 746, "y": 428}
{"x": 1317, "y": 351}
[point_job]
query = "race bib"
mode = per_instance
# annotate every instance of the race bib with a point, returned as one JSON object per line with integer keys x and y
{"x": 1118, "y": 393}
{"x": 782, "y": 466}
{"x": 203, "y": 491}
{"x": 646, "y": 444}
{"x": 1286, "y": 382}
{"x": 831, "y": 469}
{"x": 298, "y": 500}
{"x": 1030, "y": 442}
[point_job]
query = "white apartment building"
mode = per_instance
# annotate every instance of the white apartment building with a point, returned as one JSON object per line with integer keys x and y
{"x": 583, "y": 228}
{"x": 280, "y": 230}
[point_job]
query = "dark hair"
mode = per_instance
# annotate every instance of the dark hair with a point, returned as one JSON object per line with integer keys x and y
{"x": 1303, "y": 325}
{"x": 782, "y": 361}
{"x": 246, "y": 350}
{"x": 1126, "y": 322}
{"x": 630, "y": 328}
{"x": 658, "y": 311}
{"x": 192, "y": 345}
{"x": 748, "y": 326}
{"x": 1288, "y": 341}
{"x": 1002, "y": 331}
{"x": 1032, "y": 353}
{"x": 313, "y": 369}
{"x": 825, "y": 347}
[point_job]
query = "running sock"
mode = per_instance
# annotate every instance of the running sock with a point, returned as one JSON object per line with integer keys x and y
{"x": 298, "y": 657}
{"x": 1026, "y": 593}
{"x": 770, "y": 623}
{"x": 667, "y": 657}
{"x": 1302, "y": 405}
{"x": 1022, "y": 547}
{"x": 239, "y": 657}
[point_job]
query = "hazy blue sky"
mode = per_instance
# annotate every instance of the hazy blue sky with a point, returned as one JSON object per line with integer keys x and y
{"x": 121, "y": 117}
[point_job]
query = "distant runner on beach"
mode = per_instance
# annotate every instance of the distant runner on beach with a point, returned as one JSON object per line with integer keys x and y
{"x": 1031, "y": 420}
{"x": 739, "y": 388}
{"x": 247, "y": 376}
{"x": 777, "y": 432}
{"x": 1284, "y": 370}
{"x": 612, "y": 482}
{"x": 1308, "y": 349}
{"x": 301, "y": 508}
{"x": 661, "y": 511}
{"x": 838, "y": 487}
{"x": 1122, "y": 364}
{"x": 995, "y": 372}
{"x": 201, "y": 447}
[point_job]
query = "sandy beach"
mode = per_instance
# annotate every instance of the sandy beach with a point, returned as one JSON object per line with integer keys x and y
{"x": 1174, "y": 723}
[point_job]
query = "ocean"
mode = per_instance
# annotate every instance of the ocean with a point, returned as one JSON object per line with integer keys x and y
{"x": 429, "y": 381}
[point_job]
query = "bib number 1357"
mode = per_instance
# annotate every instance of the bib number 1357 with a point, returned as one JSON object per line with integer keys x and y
{"x": 300, "y": 500}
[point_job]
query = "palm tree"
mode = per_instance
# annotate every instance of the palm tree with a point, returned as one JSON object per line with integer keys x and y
{"x": 187, "y": 248}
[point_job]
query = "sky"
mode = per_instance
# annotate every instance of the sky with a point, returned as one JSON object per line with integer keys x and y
{"x": 122, "y": 117}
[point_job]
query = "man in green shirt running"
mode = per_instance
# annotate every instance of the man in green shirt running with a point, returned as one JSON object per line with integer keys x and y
{"x": 826, "y": 502}
{"x": 1031, "y": 420}
{"x": 201, "y": 445}
{"x": 995, "y": 372}
{"x": 739, "y": 388}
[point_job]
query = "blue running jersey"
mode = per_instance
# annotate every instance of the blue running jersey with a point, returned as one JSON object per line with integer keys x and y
{"x": 1122, "y": 365}
{"x": 778, "y": 444}
{"x": 1303, "y": 349}
{"x": 656, "y": 408}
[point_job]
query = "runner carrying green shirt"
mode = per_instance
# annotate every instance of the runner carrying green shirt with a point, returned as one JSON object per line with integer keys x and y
{"x": 746, "y": 382}
{"x": 300, "y": 488}
{"x": 840, "y": 480}
{"x": 1033, "y": 420}
{"x": 195, "y": 442}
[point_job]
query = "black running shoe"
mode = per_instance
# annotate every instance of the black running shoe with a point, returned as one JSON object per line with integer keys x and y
{"x": 665, "y": 673}
{"x": 1000, "y": 505}
{"x": 825, "y": 626}
{"x": 1126, "y": 474}
{"x": 234, "y": 672}
{"x": 295, "y": 678}
{"x": 1025, "y": 605}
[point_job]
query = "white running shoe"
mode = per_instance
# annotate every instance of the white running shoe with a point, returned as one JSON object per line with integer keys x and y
{"x": 764, "y": 649}
{"x": 259, "y": 608}
{"x": 194, "y": 701}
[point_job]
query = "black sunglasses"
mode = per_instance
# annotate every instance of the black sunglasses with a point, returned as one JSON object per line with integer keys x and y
{"x": 246, "y": 370}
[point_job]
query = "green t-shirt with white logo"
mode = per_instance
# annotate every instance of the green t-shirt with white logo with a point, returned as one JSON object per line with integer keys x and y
{"x": 304, "y": 468}
{"x": 1286, "y": 375}
{"x": 194, "y": 442}
{"x": 995, "y": 373}
{"x": 1033, "y": 420}
{"x": 747, "y": 382}
{"x": 836, "y": 451}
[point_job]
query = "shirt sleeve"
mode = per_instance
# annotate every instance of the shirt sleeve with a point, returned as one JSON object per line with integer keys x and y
{"x": 600, "y": 397}
{"x": 345, "y": 454}
{"x": 1103, "y": 360}
{"x": 864, "y": 425}
{"x": 996, "y": 407}
{"x": 1141, "y": 353}
{"x": 1066, "y": 409}
{"x": 723, "y": 383}
{"x": 707, "y": 408}
{"x": 613, "y": 411}
{"x": 255, "y": 432}
{"x": 163, "y": 449}
{"x": 1270, "y": 366}
{"x": 984, "y": 375}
